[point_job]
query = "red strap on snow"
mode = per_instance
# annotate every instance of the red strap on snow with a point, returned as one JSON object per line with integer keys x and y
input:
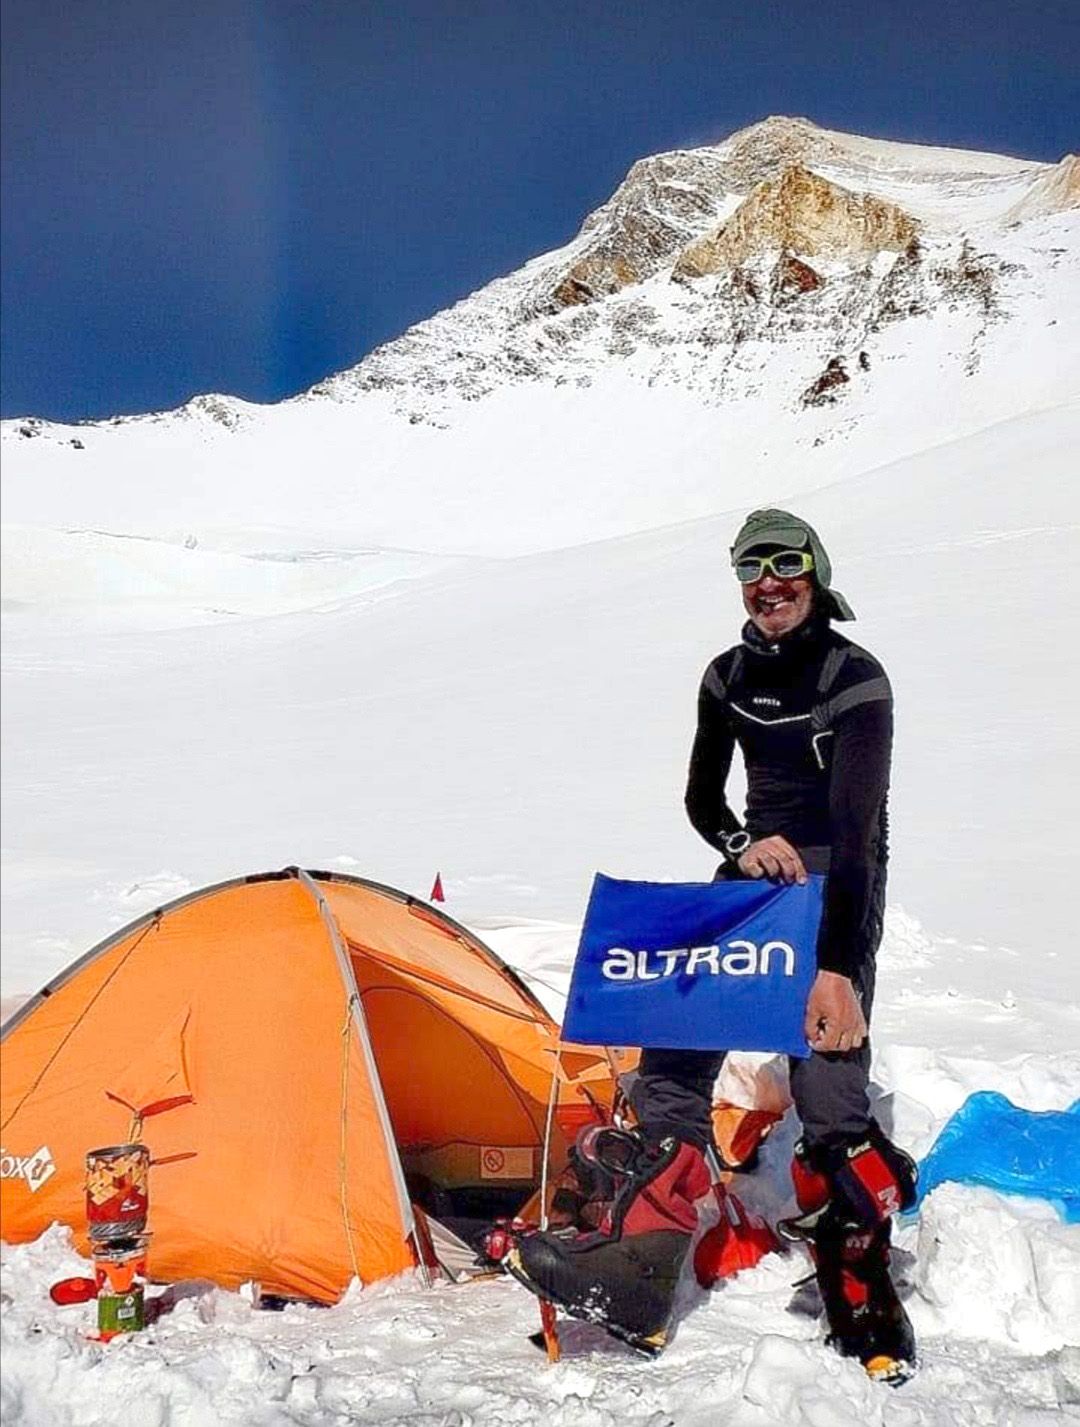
{"x": 73, "y": 1290}
{"x": 740, "y": 1240}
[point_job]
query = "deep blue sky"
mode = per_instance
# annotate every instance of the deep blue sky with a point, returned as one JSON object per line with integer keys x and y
{"x": 244, "y": 195}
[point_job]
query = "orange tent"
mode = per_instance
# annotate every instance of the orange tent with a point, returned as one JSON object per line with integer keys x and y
{"x": 307, "y": 1056}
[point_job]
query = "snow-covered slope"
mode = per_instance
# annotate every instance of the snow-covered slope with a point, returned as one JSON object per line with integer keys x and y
{"x": 449, "y": 612}
{"x": 521, "y": 722}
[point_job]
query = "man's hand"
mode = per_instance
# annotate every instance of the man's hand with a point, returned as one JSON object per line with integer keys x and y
{"x": 834, "y": 1018}
{"x": 775, "y": 858}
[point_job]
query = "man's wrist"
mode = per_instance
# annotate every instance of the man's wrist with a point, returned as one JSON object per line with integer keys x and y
{"x": 733, "y": 845}
{"x": 837, "y": 969}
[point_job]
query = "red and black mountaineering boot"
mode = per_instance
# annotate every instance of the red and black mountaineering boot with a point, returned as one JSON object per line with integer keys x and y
{"x": 847, "y": 1197}
{"x": 585, "y": 1191}
{"x": 623, "y": 1274}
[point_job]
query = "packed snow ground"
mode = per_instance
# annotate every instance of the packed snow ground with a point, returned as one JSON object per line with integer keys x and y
{"x": 400, "y": 1353}
{"x": 992, "y": 1283}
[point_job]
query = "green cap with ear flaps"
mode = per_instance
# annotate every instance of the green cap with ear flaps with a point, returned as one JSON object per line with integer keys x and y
{"x": 781, "y": 529}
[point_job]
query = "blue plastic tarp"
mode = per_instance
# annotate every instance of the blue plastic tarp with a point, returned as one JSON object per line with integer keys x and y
{"x": 695, "y": 966}
{"x": 991, "y": 1141}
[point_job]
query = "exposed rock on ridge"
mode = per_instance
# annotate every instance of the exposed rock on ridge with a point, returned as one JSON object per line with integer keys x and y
{"x": 667, "y": 200}
{"x": 662, "y": 203}
{"x": 1054, "y": 192}
{"x": 803, "y": 213}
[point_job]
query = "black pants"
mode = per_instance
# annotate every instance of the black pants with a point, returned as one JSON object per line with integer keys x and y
{"x": 672, "y": 1094}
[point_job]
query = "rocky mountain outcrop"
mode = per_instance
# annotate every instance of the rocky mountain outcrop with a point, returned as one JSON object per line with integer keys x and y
{"x": 669, "y": 200}
{"x": 660, "y": 205}
{"x": 764, "y": 150}
{"x": 803, "y": 213}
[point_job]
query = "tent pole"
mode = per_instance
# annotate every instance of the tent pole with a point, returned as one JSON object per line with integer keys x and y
{"x": 552, "y": 1096}
{"x": 421, "y": 1263}
{"x": 355, "y": 1017}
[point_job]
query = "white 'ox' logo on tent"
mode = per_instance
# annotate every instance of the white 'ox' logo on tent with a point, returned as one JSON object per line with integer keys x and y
{"x": 35, "y": 1168}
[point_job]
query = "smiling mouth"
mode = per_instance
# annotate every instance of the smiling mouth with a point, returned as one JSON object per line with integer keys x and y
{"x": 769, "y": 604}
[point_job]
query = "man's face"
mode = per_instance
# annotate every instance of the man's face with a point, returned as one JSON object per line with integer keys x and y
{"x": 778, "y": 606}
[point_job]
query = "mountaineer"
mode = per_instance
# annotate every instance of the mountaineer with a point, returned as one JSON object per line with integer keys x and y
{"x": 812, "y": 715}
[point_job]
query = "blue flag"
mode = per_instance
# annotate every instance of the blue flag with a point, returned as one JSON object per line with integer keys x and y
{"x": 695, "y": 966}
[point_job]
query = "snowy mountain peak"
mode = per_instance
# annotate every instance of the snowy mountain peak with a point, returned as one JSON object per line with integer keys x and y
{"x": 666, "y": 201}
{"x": 745, "y": 228}
{"x": 673, "y": 201}
{"x": 669, "y": 201}
{"x": 763, "y": 150}
{"x": 787, "y": 299}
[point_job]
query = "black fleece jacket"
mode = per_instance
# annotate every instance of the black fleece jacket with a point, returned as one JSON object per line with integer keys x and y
{"x": 817, "y": 769}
